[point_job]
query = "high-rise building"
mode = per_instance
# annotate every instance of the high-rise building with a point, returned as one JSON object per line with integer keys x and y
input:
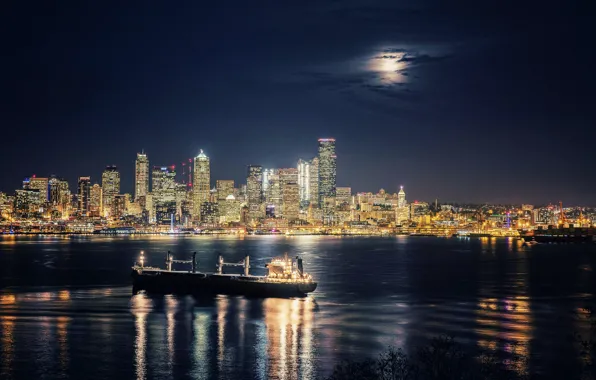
{"x": 304, "y": 180}
{"x": 40, "y": 184}
{"x": 273, "y": 196}
{"x": 402, "y": 212}
{"x": 84, "y": 195}
{"x": 95, "y": 201}
{"x": 163, "y": 188}
{"x": 224, "y": 188}
{"x": 54, "y": 193}
{"x": 163, "y": 184}
{"x": 343, "y": 195}
{"x": 27, "y": 202}
{"x": 327, "y": 169}
{"x": 401, "y": 197}
{"x": 110, "y": 185}
{"x": 266, "y": 174}
{"x": 290, "y": 195}
{"x": 229, "y": 210}
{"x": 254, "y": 189}
{"x": 141, "y": 176}
{"x": 314, "y": 182}
{"x": 202, "y": 182}
{"x": 209, "y": 212}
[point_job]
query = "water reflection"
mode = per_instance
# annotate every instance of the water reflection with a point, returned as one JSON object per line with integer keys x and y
{"x": 140, "y": 306}
{"x": 7, "y": 345}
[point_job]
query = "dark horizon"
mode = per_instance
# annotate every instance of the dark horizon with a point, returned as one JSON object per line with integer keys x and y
{"x": 468, "y": 102}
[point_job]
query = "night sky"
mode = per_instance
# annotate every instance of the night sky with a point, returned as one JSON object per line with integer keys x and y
{"x": 479, "y": 101}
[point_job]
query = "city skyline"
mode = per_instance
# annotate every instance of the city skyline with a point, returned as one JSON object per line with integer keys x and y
{"x": 129, "y": 185}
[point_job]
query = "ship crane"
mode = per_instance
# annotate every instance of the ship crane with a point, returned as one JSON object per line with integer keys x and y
{"x": 244, "y": 263}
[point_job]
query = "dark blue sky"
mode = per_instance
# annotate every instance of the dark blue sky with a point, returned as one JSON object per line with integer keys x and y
{"x": 479, "y": 101}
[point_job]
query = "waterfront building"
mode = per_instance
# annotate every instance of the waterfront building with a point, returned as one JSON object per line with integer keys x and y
{"x": 418, "y": 209}
{"x": 40, "y": 184}
{"x": 131, "y": 207}
{"x": 83, "y": 195}
{"x": 304, "y": 181}
{"x": 149, "y": 209}
{"x": 202, "y": 181}
{"x": 181, "y": 198}
{"x": 141, "y": 176}
{"x": 95, "y": 201}
{"x": 254, "y": 190}
{"x": 327, "y": 169}
{"x": 224, "y": 188}
{"x": 110, "y": 184}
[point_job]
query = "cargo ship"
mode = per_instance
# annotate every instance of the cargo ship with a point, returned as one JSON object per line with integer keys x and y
{"x": 553, "y": 234}
{"x": 285, "y": 278}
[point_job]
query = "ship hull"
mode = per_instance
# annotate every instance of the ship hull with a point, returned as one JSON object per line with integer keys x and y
{"x": 164, "y": 282}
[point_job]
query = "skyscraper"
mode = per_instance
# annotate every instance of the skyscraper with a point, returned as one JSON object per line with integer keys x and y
{"x": 83, "y": 195}
{"x": 266, "y": 174}
{"x": 327, "y": 169}
{"x": 163, "y": 189}
{"x": 141, "y": 176}
{"x": 95, "y": 201}
{"x": 254, "y": 189}
{"x": 41, "y": 184}
{"x": 314, "y": 182}
{"x": 110, "y": 185}
{"x": 202, "y": 181}
{"x": 224, "y": 188}
{"x": 304, "y": 180}
{"x": 401, "y": 197}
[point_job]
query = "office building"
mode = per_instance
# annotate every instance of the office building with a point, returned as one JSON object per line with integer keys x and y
{"x": 230, "y": 210}
{"x": 141, "y": 176}
{"x": 201, "y": 185}
{"x": 327, "y": 169}
{"x": 343, "y": 195}
{"x": 163, "y": 185}
{"x": 110, "y": 185}
{"x": 224, "y": 188}
{"x": 27, "y": 203}
{"x": 273, "y": 196}
{"x": 314, "y": 182}
{"x": 209, "y": 213}
{"x": 266, "y": 174}
{"x": 40, "y": 184}
{"x": 95, "y": 201}
{"x": 254, "y": 190}
{"x": 304, "y": 181}
{"x": 84, "y": 195}
{"x": 290, "y": 195}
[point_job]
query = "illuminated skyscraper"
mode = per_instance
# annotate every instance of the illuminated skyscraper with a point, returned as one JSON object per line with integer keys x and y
{"x": 401, "y": 197}
{"x": 163, "y": 189}
{"x": 327, "y": 169}
{"x": 110, "y": 185}
{"x": 266, "y": 174}
{"x": 202, "y": 182}
{"x": 304, "y": 180}
{"x": 83, "y": 195}
{"x": 164, "y": 184}
{"x": 273, "y": 195}
{"x": 40, "y": 184}
{"x": 343, "y": 195}
{"x": 314, "y": 182}
{"x": 254, "y": 189}
{"x": 224, "y": 188}
{"x": 141, "y": 176}
{"x": 95, "y": 201}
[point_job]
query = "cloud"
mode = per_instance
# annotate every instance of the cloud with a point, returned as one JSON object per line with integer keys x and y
{"x": 421, "y": 59}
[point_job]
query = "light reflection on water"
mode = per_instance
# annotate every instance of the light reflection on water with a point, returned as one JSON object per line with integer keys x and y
{"x": 489, "y": 293}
